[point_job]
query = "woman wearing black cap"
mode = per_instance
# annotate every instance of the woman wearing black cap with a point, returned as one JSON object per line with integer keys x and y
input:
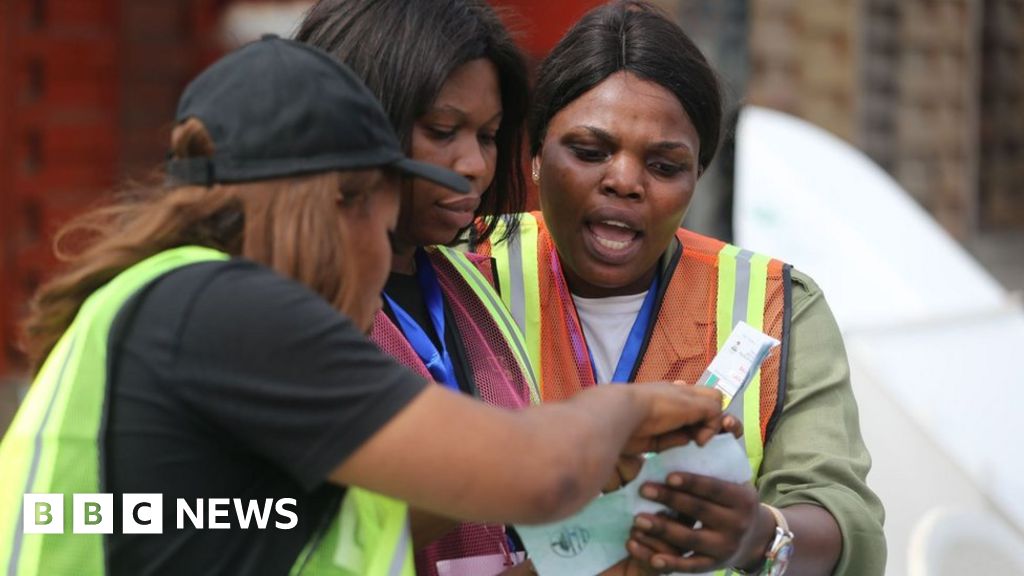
{"x": 191, "y": 358}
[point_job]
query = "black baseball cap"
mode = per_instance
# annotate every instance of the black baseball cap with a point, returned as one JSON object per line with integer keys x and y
{"x": 277, "y": 108}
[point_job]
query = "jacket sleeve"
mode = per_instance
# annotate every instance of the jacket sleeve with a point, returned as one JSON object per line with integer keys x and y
{"x": 816, "y": 454}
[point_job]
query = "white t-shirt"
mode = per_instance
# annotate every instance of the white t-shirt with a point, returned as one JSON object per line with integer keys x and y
{"x": 606, "y": 325}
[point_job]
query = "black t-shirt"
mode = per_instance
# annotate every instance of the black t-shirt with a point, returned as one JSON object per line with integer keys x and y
{"x": 407, "y": 293}
{"x": 229, "y": 381}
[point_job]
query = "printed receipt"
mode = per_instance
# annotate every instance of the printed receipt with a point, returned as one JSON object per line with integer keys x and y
{"x": 737, "y": 362}
{"x": 594, "y": 539}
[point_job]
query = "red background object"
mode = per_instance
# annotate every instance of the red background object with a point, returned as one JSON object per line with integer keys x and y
{"x": 87, "y": 94}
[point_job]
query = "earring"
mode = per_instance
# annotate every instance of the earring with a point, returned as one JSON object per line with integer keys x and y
{"x": 536, "y": 174}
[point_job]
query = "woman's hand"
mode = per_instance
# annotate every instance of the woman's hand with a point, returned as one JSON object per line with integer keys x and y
{"x": 626, "y": 469}
{"x": 675, "y": 414}
{"x": 628, "y": 466}
{"x": 734, "y": 529}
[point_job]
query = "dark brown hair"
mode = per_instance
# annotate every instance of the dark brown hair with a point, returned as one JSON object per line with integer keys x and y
{"x": 405, "y": 51}
{"x": 635, "y": 36}
{"x": 290, "y": 225}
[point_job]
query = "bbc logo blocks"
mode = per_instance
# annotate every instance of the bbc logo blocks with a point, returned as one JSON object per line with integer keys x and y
{"x": 144, "y": 513}
{"x": 92, "y": 514}
{"x": 43, "y": 514}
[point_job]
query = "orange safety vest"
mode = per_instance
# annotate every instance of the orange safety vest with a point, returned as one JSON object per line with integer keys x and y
{"x": 499, "y": 368}
{"x": 707, "y": 287}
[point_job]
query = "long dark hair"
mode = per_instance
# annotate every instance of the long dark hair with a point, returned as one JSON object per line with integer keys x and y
{"x": 404, "y": 52}
{"x": 635, "y": 36}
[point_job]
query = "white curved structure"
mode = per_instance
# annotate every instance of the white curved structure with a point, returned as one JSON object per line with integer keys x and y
{"x": 951, "y": 542}
{"x": 935, "y": 343}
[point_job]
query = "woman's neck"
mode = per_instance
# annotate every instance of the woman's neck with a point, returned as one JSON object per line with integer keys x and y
{"x": 405, "y": 262}
{"x": 403, "y": 255}
{"x": 584, "y": 289}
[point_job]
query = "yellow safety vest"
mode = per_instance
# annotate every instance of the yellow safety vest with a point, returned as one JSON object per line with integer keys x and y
{"x": 53, "y": 443}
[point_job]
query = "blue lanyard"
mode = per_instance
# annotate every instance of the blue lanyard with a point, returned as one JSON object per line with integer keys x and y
{"x": 631, "y": 351}
{"x": 438, "y": 362}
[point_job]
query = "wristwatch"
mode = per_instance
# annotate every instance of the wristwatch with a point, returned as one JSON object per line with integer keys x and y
{"x": 776, "y": 560}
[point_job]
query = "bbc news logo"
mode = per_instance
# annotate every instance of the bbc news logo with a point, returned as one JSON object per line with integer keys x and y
{"x": 144, "y": 514}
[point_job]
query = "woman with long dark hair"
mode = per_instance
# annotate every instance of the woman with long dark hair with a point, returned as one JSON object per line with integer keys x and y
{"x": 455, "y": 87}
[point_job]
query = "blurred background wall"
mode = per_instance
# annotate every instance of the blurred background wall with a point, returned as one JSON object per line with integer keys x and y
{"x": 932, "y": 90}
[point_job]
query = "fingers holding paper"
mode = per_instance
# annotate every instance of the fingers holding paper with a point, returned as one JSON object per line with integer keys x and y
{"x": 677, "y": 414}
{"x": 629, "y": 465}
{"x": 727, "y": 513}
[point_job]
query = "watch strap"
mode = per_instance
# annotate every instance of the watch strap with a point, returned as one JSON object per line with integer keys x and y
{"x": 782, "y": 533}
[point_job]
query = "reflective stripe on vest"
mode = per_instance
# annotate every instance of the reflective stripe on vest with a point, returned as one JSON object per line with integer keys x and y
{"x": 517, "y": 277}
{"x": 742, "y": 282}
{"x": 52, "y": 446}
{"x": 352, "y": 545}
{"x": 509, "y": 328}
{"x": 741, "y": 295}
{"x": 495, "y": 350}
{"x": 501, "y": 371}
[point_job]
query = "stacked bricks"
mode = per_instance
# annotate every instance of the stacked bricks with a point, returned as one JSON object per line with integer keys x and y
{"x": 937, "y": 146}
{"x": 805, "y": 60}
{"x": 58, "y": 129}
{"x": 1002, "y": 115}
{"x": 87, "y": 96}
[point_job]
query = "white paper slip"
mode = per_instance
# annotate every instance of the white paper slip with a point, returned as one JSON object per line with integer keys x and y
{"x": 739, "y": 359}
{"x": 723, "y": 457}
{"x": 586, "y": 543}
{"x": 594, "y": 539}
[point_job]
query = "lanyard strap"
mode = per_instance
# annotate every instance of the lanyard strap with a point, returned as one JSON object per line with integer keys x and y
{"x": 438, "y": 362}
{"x": 631, "y": 352}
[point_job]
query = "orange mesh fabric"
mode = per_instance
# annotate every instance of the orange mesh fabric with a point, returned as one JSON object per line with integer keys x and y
{"x": 497, "y": 378}
{"x": 565, "y": 367}
{"x": 771, "y": 372}
{"x": 684, "y": 337}
{"x": 561, "y": 336}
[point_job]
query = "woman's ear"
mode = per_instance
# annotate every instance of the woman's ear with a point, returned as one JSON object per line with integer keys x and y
{"x": 348, "y": 196}
{"x": 535, "y": 168}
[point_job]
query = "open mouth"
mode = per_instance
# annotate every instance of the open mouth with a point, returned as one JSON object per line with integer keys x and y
{"x": 613, "y": 234}
{"x": 612, "y": 240}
